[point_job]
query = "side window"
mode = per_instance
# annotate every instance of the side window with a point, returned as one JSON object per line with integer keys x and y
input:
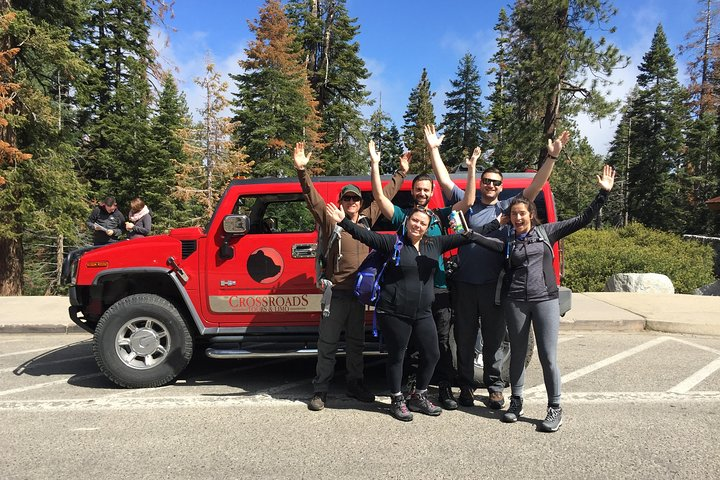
{"x": 277, "y": 213}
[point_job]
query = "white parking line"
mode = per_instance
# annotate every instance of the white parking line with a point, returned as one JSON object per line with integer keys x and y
{"x": 698, "y": 346}
{"x": 697, "y": 377}
{"x": 601, "y": 364}
{"x": 46, "y": 349}
{"x": 47, "y": 384}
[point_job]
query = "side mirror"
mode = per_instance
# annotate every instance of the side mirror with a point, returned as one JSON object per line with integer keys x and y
{"x": 236, "y": 224}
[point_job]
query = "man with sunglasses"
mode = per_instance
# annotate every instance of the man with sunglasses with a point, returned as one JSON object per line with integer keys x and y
{"x": 475, "y": 279}
{"x": 422, "y": 190}
{"x": 343, "y": 258}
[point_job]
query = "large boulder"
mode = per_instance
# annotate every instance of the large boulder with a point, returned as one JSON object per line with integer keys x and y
{"x": 639, "y": 282}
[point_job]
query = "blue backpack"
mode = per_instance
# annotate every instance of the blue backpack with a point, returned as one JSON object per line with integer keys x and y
{"x": 370, "y": 272}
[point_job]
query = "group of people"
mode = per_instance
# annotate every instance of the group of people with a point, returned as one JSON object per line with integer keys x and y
{"x": 504, "y": 240}
{"x": 108, "y": 223}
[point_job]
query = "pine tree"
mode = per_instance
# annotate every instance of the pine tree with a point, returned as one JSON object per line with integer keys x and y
{"x": 274, "y": 106}
{"x": 156, "y": 182}
{"x": 41, "y": 197}
{"x": 337, "y": 74}
{"x": 114, "y": 101}
{"x": 221, "y": 158}
{"x": 659, "y": 116}
{"x": 499, "y": 114}
{"x": 464, "y": 121}
{"x": 387, "y": 140}
{"x": 558, "y": 70}
{"x": 419, "y": 113}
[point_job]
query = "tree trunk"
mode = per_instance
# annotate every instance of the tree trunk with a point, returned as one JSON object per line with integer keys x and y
{"x": 11, "y": 266}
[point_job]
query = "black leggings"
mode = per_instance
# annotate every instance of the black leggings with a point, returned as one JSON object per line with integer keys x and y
{"x": 396, "y": 333}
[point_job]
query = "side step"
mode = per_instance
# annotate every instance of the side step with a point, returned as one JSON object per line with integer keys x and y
{"x": 231, "y": 353}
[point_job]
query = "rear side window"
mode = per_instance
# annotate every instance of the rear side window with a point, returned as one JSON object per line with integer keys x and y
{"x": 539, "y": 202}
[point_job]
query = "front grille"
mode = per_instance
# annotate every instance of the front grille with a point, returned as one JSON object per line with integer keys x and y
{"x": 188, "y": 248}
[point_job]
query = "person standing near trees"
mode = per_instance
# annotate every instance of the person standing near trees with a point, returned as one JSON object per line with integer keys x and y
{"x": 343, "y": 258}
{"x": 404, "y": 308}
{"x": 139, "y": 221}
{"x": 475, "y": 279}
{"x": 530, "y": 294}
{"x": 422, "y": 190}
{"x": 106, "y": 222}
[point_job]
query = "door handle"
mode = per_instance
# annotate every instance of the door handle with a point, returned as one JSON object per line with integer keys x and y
{"x": 304, "y": 250}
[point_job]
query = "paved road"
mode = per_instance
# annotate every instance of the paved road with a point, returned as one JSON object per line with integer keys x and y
{"x": 638, "y": 405}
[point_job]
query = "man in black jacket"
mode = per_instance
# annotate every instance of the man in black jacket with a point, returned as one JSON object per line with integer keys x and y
{"x": 106, "y": 222}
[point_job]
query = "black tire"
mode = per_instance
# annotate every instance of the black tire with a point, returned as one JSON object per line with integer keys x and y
{"x": 142, "y": 341}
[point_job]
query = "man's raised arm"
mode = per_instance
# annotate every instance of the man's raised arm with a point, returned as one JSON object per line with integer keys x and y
{"x": 439, "y": 169}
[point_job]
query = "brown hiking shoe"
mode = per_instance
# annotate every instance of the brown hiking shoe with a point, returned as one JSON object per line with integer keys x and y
{"x": 496, "y": 400}
{"x": 317, "y": 402}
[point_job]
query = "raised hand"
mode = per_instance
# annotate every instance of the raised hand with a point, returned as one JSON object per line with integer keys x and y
{"x": 337, "y": 214}
{"x": 607, "y": 180}
{"x": 554, "y": 148}
{"x": 405, "y": 161}
{"x": 299, "y": 156}
{"x": 472, "y": 161}
{"x": 431, "y": 138}
{"x": 374, "y": 155}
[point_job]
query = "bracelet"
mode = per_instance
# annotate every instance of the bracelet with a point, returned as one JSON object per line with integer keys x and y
{"x": 550, "y": 156}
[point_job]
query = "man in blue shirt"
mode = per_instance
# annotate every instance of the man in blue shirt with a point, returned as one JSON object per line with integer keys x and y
{"x": 422, "y": 190}
{"x": 475, "y": 279}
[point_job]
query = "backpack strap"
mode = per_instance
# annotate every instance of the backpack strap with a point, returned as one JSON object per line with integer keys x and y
{"x": 396, "y": 258}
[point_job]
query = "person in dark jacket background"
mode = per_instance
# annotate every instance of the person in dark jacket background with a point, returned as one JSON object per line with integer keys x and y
{"x": 406, "y": 297}
{"x": 139, "y": 221}
{"x": 106, "y": 222}
{"x": 530, "y": 293}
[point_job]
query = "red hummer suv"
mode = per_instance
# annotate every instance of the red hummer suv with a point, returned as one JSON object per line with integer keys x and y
{"x": 242, "y": 286}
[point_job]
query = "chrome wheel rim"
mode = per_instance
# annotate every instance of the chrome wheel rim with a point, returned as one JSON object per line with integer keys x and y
{"x": 142, "y": 343}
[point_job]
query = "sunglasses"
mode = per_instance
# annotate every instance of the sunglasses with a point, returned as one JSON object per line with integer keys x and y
{"x": 350, "y": 198}
{"x": 488, "y": 181}
{"x": 425, "y": 210}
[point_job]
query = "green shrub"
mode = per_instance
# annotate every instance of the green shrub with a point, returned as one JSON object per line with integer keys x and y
{"x": 591, "y": 256}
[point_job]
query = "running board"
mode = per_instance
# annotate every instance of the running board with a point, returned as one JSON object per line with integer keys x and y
{"x": 239, "y": 353}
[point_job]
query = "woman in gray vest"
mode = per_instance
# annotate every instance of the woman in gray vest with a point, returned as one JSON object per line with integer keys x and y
{"x": 530, "y": 293}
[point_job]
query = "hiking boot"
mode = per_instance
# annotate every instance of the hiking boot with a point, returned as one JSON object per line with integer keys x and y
{"x": 553, "y": 420}
{"x": 466, "y": 398}
{"x": 399, "y": 409}
{"x": 496, "y": 400}
{"x": 419, "y": 402}
{"x": 515, "y": 410}
{"x": 356, "y": 389}
{"x": 317, "y": 402}
{"x": 447, "y": 400}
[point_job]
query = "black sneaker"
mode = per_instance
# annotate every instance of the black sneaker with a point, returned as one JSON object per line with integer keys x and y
{"x": 399, "y": 409}
{"x": 496, "y": 400}
{"x": 419, "y": 402}
{"x": 356, "y": 389}
{"x": 317, "y": 402}
{"x": 553, "y": 420}
{"x": 466, "y": 398}
{"x": 515, "y": 410}
{"x": 447, "y": 400}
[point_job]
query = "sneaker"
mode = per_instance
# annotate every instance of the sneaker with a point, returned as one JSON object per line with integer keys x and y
{"x": 356, "y": 389}
{"x": 553, "y": 420}
{"x": 419, "y": 402}
{"x": 317, "y": 402}
{"x": 399, "y": 409}
{"x": 447, "y": 400}
{"x": 496, "y": 400}
{"x": 515, "y": 410}
{"x": 466, "y": 398}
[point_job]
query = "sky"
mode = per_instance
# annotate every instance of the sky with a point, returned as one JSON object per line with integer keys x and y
{"x": 398, "y": 38}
